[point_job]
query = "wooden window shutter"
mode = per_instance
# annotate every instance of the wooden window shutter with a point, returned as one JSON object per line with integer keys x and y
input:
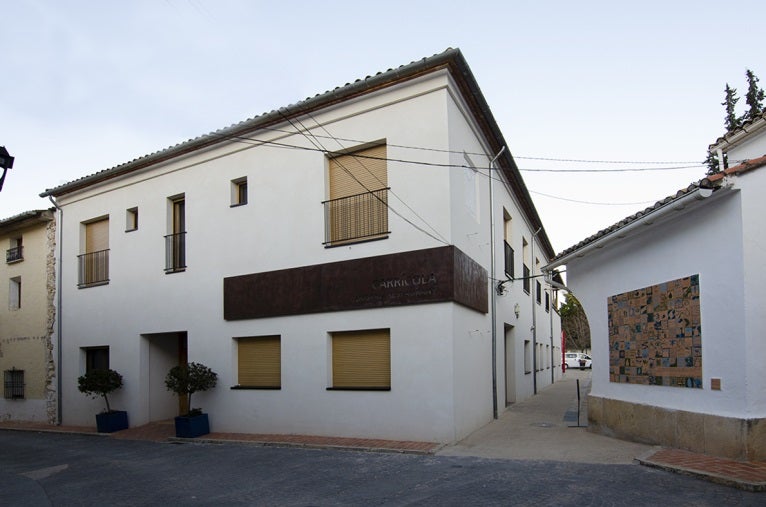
{"x": 361, "y": 359}
{"x": 259, "y": 361}
{"x": 354, "y": 173}
{"x": 97, "y": 236}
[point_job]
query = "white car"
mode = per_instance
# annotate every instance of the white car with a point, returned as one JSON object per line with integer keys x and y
{"x": 573, "y": 360}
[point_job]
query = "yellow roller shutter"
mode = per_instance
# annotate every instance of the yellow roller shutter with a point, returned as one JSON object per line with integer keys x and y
{"x": 355, "y": 173}
{"x": 361, "y": 359}
{"x": 97, "y": 236}
{"x": 259, "y": 361}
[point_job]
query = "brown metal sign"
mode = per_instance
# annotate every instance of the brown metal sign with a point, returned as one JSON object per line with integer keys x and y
{"x": 408, "y": 278}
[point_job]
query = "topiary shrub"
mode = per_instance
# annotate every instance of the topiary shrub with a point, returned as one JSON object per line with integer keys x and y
{"x": 97, "y": 383}
{"x": 188, "y": 379}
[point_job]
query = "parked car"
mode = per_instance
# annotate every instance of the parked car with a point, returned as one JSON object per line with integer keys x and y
{"x": 577, "y": 360}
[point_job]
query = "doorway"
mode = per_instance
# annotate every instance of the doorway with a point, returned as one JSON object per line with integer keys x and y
{"x": 510, "y": 366}
{"x": 165, "y": 350}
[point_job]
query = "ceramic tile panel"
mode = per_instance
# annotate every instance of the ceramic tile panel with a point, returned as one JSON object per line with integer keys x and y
{"x": 655, "y": 335}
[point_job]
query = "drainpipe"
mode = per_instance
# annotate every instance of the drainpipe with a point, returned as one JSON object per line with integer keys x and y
{"x": 550, "y": 314}
{"x": 59, "y": 269}
{"x": 534, "y": 313}
{"x": 492, "y": 282}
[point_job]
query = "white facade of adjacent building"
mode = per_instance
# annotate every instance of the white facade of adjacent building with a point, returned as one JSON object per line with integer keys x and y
{"x": 220, "y": 251}
{"x": 706, "y": 391}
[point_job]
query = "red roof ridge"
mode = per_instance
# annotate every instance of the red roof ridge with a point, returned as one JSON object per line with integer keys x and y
{"x": 747, "y": 165}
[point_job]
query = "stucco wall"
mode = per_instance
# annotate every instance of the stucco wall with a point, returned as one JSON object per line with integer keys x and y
{"x": 440, "y": 387}
{"x": 708, "y": 242}
{"x": 25, "y": 333}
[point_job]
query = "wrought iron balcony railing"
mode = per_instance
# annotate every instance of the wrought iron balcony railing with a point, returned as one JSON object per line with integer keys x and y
{"x": 14, "y": 254}
{"x": 93, "y": 268}
{"x": 358, "y": 217}
{"x": 175, "y": 252}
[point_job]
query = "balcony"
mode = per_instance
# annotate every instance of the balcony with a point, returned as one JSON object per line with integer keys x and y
{"x": 360, "y": 217}
{"x": 508, "y": 260}
{"x": 93, "y": 269}
{"x": 15, "y": 254}
{"x": 175, "y": 252}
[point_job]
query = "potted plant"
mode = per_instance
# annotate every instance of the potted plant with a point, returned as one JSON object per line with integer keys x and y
{"x": 186, "y": 380}
{"x": 97, "y": 383}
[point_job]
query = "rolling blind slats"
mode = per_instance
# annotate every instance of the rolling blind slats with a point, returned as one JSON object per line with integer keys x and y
{"x": 97, "y": 236}
{"x": 361, "y": 359}
{"x": 355, "y": 173}
{"x": 259, "y": 362}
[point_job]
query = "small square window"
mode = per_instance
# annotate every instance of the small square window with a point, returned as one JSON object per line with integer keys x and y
{"x": 96, "y": 358}
{"x": 131, "y": 219}
{"x": 239, "y": 192}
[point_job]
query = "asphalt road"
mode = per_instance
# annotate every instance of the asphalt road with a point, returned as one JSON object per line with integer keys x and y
{"x": 40, "y": 469}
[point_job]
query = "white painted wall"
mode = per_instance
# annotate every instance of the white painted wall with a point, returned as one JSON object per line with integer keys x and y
{"x": 440, "y": 353}
{"x": 753, "y": 147}
{"x": 706, "y": 240}
{"x": 752, "y": 185}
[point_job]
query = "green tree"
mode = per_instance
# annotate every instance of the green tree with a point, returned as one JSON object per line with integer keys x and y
{"x": 574, "y": 322}
{"x": 97, "y": 383}
{"x": 188, "y": 379}
{"x": 712, "y": 162}
{"x": 731, "y": 121}
{"x": 753, "y": 98}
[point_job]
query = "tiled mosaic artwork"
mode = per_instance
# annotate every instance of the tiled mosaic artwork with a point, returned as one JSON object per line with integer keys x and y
{"x": 655, "y": 336}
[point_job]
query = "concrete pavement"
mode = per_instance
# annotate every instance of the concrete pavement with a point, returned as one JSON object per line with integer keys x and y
{"x": 540, "y": 428}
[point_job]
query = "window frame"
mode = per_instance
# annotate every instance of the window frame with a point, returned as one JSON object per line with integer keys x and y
{"x": 365, "y": 369}
{"x": 96, "y": 358}
{"x": 14, "y": 293}
{"x": 264, "y": 340}
{"x": 239, "y": 192}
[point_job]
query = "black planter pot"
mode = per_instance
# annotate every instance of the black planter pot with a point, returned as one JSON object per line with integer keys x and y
{"x": 194, "y": 426}
{"x": 109, "y": 422}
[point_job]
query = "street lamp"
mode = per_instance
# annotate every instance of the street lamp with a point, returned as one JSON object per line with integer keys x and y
{"x": 6, "y": 162}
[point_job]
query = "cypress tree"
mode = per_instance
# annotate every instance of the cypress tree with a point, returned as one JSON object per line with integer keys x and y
{"x": 731, "y": 121}
{"x": 754, "y": 97}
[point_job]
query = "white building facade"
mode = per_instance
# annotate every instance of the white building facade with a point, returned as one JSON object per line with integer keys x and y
{"x": 675, "y": 304}
{"x": 329, "y": 260}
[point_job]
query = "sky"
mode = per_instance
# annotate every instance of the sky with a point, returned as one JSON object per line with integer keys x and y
{"x": 88, "y": 85}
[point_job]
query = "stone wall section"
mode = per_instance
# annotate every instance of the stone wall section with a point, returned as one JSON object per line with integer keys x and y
{"x": 51, "y": 398}
{"x": 729, "y": 437}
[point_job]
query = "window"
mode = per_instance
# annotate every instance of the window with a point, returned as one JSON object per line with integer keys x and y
{"x": 96, "y": 358}
{"x": 175, "y": 242}
{"x": 507, "y": 223}
{"x": 527, "y": 356}
{"x": 16, "y": 252}
{"x": 94, "y": 263}
{"x": 361, "y": 360}
{"x": 358, "y": 206}
{"x": 538, "y": 291}
{"x": 239, "y": 192}
{"x": 259, "y": 362}
{"x": 14, "y": 294}
{"x": 13, "y": 383}
{"x": 547, "y": 302}
{"x": 526, "y": 261}
{"x": 131, "y": 219}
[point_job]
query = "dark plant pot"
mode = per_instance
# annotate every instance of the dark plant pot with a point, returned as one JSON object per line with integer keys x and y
{"x": 109, "y": 422}
{"x": 190, "y": 427}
